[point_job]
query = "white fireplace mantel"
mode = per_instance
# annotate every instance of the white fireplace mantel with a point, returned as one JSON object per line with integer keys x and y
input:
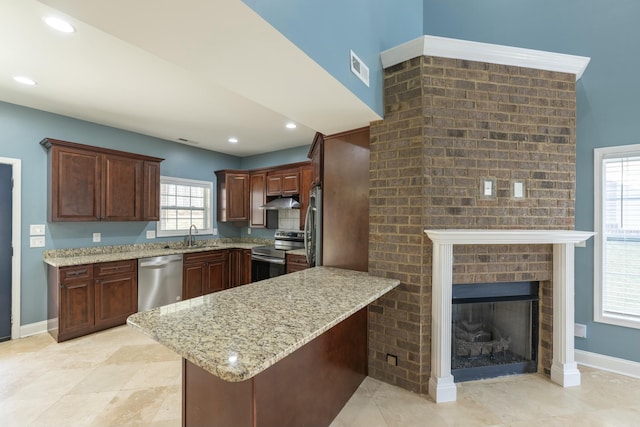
{"x": 564, "y": 370}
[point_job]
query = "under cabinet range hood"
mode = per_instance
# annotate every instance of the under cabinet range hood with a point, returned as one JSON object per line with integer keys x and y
{"x": 281, "y": 203}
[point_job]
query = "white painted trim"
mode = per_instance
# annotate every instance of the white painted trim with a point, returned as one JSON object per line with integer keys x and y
{"x": 506, "y": 237}
{"x": 33, "y": 329}
{"x": 608, "y": 363}
{"x": 563, "y": 367}
{"x": 485, "y": 52}
{"x": 16, "y": 236}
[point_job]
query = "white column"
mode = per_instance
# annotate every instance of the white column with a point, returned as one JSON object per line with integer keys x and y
{"x": 441, "y": 386}
{"x": 564, "y": 369}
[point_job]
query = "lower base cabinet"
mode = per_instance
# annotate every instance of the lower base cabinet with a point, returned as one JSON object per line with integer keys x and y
{"x": 239, "y": 267}
{"x": 296, "y": 263}
{"x": 204, "y": 273}
{"x": 87, "y": 298}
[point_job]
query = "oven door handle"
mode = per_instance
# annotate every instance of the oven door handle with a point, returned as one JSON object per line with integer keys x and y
{"x": 256, "y": 257}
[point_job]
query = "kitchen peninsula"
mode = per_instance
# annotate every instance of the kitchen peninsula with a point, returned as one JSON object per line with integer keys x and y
{"x": 284, "y": 351}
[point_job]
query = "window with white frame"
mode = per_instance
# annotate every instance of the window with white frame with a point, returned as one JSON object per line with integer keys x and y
{"x": 617, "y": 242}
{"x": 184, "y": 202}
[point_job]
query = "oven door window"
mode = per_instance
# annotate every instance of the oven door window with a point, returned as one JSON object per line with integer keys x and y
{"x": 261, "y": 270}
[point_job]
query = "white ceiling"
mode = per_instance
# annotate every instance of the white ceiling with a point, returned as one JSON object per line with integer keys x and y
{"x": 201, "y": 70}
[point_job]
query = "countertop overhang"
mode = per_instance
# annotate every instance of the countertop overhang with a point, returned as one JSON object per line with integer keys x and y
{"x": 238, "y": 333}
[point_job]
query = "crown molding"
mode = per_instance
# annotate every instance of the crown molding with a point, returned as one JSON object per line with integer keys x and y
{"x": 485, "y": 52}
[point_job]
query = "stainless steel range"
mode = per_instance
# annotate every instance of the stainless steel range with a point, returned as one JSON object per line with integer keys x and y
{"x": 270, "y": 261}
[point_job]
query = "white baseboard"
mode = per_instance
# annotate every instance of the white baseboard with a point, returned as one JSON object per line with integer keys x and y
{"x": 33, "y": 329}
{"x": 608, "y": 363}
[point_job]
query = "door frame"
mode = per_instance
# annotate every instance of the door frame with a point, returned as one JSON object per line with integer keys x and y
{"x": 16, "y": 237}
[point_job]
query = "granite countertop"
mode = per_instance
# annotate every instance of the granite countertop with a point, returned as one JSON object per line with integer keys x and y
{"x": 79, "y": 256}
{"x": 237, "y": 333}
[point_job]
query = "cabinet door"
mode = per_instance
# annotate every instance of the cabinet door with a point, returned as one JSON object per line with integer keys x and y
{"x": 116, "y": 299}
{"x": 274, "y": 185}
{"x": 122, "y": 189}
{"x": 258, "y": 198}
{"x": 290, "y": 183}
{"x": 305, "y": 188}
{"x": 151, "y": 193}
{"x": 217, "y": 273}
{"x": 76, "y": 312}
{"x": 193, "y": 279}
{"x": 75, "y": 186}
{"x": 246, "y": 266}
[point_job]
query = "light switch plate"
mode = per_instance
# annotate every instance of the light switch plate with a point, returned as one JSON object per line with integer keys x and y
{"x": 151, "y": 234}
{"x": 517, "y": 189}
{"x": 36, "y": 242}
{"x": 97, "y": 237}
{"x": 36, "y": 230}
{"x": 487, "y": 188}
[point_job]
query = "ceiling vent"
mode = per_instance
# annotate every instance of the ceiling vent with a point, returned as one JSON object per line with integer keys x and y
{"x": 359, "y": 69}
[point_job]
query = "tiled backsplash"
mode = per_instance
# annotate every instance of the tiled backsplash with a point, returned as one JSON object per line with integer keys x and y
{"x": 289, "y": 219}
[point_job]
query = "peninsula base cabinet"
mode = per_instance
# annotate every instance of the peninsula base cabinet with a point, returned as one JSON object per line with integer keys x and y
{"x": 83, "y": 299}
{"x": 307, "y": 388}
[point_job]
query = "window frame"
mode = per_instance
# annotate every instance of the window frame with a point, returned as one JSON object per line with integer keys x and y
{"x": 192, "y": 183}
{"x": 600, "y": 315}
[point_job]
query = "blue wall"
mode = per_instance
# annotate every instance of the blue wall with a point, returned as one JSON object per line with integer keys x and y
{"x": 327, "y": 30}
{"x": 23, "y": 129}
{"x": 607, "y": 98}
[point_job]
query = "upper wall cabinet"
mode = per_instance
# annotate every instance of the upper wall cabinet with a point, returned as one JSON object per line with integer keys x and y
{"x": 97, "y": 184}
{"x": 233, "y": 195}
{"x": 283, "y": 182}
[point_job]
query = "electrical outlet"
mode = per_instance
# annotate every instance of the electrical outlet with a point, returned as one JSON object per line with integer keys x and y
{"x": 249, "y": 230}
{"x": 392, "y": 359}
{"x": 36, "y": 242}
{"x": 97, "y": 237}
{"x": 580, "y": 330}
{"x": 215, "y": 231}
{"x": 151, "y": 234}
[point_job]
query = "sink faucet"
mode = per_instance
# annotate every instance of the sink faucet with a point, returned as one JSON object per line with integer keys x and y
{"x": 192, "y": 239}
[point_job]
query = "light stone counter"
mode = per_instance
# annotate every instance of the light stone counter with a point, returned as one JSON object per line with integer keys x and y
{"x": 238, "y": 333}
{"x": 79, "y": 256}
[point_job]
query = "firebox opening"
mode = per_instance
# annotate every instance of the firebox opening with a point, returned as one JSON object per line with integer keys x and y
{"x": 494, "y": 330}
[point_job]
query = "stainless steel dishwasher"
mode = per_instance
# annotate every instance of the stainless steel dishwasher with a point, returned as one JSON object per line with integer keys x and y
{"x": 159, "y": 281}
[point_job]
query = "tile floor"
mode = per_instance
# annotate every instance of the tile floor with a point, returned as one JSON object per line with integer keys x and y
{"x": 120, "y": 377}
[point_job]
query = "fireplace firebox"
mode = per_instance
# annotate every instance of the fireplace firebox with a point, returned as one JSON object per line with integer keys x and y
{"x": 494, "y": 330}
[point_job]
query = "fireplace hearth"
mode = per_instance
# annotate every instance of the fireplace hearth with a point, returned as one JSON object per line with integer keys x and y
{"x": 494, "y": 330}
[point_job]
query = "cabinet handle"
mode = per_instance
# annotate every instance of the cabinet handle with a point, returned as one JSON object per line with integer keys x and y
{"x": 76, "y": 273}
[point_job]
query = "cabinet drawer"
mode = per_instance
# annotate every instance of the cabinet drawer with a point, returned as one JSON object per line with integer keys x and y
{"x": 297, "y": 259}
{"x": 76, "y": 272}
{"x": 207, "y": 256}
{"x": 117, "y": 267}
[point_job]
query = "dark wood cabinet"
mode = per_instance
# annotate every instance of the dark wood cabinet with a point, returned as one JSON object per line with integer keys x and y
{"x": 283, "y": 182}
{"x": 296, "y": 263}
{"x": 258, "y": 185}
{"x": 90, "y": 297}
{"x": 305, "y": 188}
{"x": 233, "y": 195}
{"x": 204, "y": 273}
{"x": 97, "y": 184}
{"x": 239, "y": 267}
{"x": 345, "y": 199}
{"x": 116, "y": 292}
{"x": 76, "y": 301}
{"x": 151, "y": 191}
{"x": 316, "y": 155}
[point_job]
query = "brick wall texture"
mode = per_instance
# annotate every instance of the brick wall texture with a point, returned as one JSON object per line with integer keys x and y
{"x": 448, "y": 125}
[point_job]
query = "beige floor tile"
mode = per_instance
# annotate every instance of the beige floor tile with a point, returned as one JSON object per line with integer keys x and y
{"x": 121, "y": 377}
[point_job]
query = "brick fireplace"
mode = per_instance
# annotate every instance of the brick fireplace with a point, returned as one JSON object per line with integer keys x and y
{"x": 451, "y": 124}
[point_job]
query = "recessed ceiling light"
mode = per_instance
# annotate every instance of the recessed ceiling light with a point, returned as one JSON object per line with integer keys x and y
{"x": 25, "y": 80}
{"x": 233, "y": 140}
{"x": 291, "y": 125}
{"x": 59, "y": 24}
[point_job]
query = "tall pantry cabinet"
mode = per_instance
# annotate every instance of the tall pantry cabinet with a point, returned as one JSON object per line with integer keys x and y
{"x": 340, "y": 165}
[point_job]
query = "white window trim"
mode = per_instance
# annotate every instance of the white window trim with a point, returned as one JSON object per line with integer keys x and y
{"x": 186, "y": 181}
{"x": 598, "y": 258}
